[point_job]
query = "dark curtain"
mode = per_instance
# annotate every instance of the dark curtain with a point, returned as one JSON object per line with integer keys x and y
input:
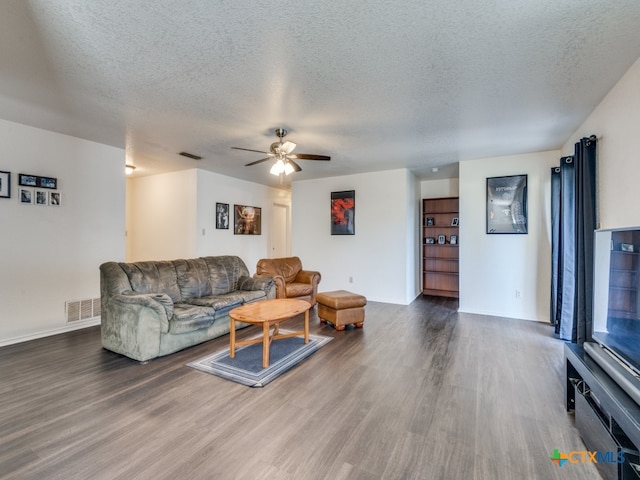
{"x": 575, "y": 242}
{"x": 554, "y": 314}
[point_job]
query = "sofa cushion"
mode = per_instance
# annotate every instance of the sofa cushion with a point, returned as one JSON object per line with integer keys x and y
{"x": 153, "y": 277}
{"x": 225, "y": 272}
{"x": 187, "y": 318}
{"x": 251, "y": 295}
{"x": 192, "y": 278}
{"x": 218, "y": 302}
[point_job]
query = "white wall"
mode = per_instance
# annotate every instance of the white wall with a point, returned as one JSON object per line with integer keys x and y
{"x": 493, "y": 267}
{"x": 616, "y": 123}
{"x": 172, "y": 216}
{"x": 447, "y": 187}
{"x": 381, "y": 256}
{"x": 161, "y": 216}
{"x": 50, "y": 255}
{"x": 214, "y": 188}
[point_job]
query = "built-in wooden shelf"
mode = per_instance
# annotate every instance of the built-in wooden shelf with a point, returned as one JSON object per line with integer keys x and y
{"x": 440, "y": 260}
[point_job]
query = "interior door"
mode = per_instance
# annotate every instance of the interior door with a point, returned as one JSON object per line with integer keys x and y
{"x": 280, "y": 231}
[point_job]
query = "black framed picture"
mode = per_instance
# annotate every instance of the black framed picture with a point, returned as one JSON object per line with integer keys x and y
{"x": 5, "y": 184}
{"x": 507, "y": 204}
{"x": 48, "y": 182}
{"x": 343, "y": 213}
{"x": 453, "y": 240}
{"x": 442, "y": 239}
{"x": 429, "y": 240}
{"x": 247, "y": 220}
{"x": 25, "y": 180}
{"x": 430, "y": 222}
{"x": 222, "y": 216}
{"x": 454, "y": 222}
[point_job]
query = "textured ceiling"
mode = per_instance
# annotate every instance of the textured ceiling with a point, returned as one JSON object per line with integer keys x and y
{"x": 376, "y": 85}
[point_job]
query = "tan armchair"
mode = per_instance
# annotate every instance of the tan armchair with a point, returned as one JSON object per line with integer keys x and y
{"x": 291, "y": 280}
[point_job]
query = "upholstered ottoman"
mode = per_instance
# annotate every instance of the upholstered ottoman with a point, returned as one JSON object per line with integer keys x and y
{"x": 341, "y": 308}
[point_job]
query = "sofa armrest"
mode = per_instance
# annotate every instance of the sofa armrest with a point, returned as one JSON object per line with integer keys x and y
{"x": 160, "y": 303}
{"x": 255, "y": 283}
{"x": 133, "y": 324}
{"x": 308, "y": 276}
{"x": 277, "y": 282}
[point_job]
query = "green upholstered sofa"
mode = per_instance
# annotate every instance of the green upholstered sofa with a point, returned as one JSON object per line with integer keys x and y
{"x": 154, "y": 308}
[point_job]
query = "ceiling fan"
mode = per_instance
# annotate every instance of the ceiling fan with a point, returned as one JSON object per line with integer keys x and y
{"x": 281, "y": 152}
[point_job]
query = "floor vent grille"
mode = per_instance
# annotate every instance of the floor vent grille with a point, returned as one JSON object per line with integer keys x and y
{"x": 78, "y": 310}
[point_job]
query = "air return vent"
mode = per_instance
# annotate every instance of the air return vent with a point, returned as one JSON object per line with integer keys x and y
{"x": 190, "y": 155}
{"x": 82, "y": 309}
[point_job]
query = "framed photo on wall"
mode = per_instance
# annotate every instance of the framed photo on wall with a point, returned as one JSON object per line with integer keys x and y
{"x": 42, "y": 198}
{"x": 343, "y": 213}
{"x": 25, "y": 180}
{"x": 247, "y": 220}
{"x": 26, "y": 196}
{"x": 48, "y": 182}
{"x": 507, "y": 204}
{"x": 5, "y": 184}
{"x": 222, "y": 216}
{"x": 55, "y": 199}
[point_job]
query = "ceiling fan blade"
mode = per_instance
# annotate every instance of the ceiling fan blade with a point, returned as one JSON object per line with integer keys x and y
{"x": 248, "y": 150}
{"x": 258, "y": 161}
{"x": 296, "y": 167}
{"x": 287, "y": 147}
{"x": 308, "y": 156}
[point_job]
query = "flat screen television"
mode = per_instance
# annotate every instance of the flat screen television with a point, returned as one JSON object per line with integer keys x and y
{"x": 616, "y": 295}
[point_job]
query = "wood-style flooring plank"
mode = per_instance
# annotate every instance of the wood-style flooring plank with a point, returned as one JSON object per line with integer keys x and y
{"x": 421, "y": 392}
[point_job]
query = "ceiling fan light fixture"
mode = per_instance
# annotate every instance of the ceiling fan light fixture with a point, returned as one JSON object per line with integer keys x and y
{"x": 277, "y": 168}
{"x": 128, "y": 169}
{"x": 288, "y": 168}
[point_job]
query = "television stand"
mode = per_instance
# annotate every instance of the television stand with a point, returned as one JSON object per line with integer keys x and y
{"x": 607, "y": 418}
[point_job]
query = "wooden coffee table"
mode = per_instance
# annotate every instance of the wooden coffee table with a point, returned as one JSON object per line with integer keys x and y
{"x": 267, "y": 313}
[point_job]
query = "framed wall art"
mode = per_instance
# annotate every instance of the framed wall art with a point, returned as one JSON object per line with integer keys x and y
{"x": 48, "y": 182}
{"x": 42, "y": 197}
{"x": 507, "y": 204}
{"x": 222, "y": 216}
{"x": 343, "y": 213}
{"x": 247, "y": 220}
{"x": 25, "y": 180}
{"x": 55, "y": 199}
{"x": 26, "y": 195}
{"x": 5, "y": 184}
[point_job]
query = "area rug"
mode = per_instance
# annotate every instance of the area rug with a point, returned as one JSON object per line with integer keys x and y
{"x": 246, "y": 367}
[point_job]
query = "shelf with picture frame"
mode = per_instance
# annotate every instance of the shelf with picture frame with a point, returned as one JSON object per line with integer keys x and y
{"x": 440, "y": 234}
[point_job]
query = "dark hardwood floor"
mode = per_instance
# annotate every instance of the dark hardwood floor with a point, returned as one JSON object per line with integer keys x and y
{"x": 422, "y": 392}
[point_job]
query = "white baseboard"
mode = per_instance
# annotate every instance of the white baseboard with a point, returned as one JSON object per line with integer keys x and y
{"x": 55, "y": 331}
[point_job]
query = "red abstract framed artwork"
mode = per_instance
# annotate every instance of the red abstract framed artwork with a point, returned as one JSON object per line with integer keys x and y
{"x": 343, "y": 213}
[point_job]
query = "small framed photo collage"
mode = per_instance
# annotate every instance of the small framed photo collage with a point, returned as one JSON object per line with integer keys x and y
{"x": 36, "y": 190}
